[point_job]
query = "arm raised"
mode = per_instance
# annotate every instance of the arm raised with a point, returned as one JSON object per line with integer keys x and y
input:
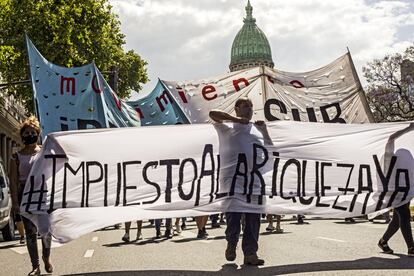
{"x": 220, "y": 116}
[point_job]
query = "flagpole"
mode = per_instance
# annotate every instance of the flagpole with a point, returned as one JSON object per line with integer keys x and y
{"x": 360, "y": 88}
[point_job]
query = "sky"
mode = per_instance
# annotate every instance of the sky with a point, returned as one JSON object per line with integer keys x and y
{"x": 191, "y": 39}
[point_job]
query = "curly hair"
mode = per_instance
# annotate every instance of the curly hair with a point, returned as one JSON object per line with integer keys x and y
{"x": 30, "y": 122}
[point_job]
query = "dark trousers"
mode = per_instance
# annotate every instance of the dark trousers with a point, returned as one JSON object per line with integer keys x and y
{"x": 400, "y": 220}
{"x": 168, "y": 224}
{"x": 250, "y": 231}
{"x": 214, "y": 219}
{"x": 31, "y": 242}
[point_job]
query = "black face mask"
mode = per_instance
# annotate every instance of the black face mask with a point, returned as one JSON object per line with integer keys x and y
{"x": 31, "y": 139}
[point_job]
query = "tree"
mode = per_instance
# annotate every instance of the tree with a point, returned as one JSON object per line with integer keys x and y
{"x": 69, "y": 33}
{"x": 389, "y": 90}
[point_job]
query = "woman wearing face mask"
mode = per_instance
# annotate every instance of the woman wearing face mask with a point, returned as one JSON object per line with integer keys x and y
{"x": 20, "y": 169}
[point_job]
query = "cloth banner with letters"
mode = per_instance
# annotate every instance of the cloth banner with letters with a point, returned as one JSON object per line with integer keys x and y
{"x": 331, "y": 94}
{"x": 75, "y": 98}
{"x": 85, "y": 180}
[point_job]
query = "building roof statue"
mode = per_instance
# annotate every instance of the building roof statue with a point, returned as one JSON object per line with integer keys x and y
{"x": 250, "y": 47}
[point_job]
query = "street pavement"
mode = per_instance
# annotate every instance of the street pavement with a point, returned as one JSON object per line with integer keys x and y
{"x": 319, "y": 247}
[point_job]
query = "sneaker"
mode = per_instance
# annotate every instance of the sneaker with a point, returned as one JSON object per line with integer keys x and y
{"x": 350, "y": 220}
{"x": 125, "y": 238}
{"x": 168, "y": 234}
{"x": 411, "y": 252}
{"x": 139, "y": 236}
{"x": 253, "y": 260}
{"x": 183, "y": 226}
{"x": 270, "y": 228}
{"x": 231, "y": 252}
{"x": 279, "y": 230}
{"x": 201, "y": 234}
{"x": 205, "y": 232}
{"x": 158, "y": 234}
{"x": 384, "y": 247}
{"x": 22, "y": 240}
{"x": 34, "y": 272}
{"x": 215, "y": 225}
{"x": 48, "y": 265}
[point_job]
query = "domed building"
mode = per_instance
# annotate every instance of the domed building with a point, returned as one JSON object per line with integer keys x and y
{"x": 250, "y": 46}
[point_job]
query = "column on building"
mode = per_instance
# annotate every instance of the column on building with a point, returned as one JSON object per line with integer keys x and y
{"x": 8, "y": 153}
{"x": 3, "y": 146}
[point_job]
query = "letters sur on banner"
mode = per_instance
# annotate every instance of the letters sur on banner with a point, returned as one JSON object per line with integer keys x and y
{"x": 331, "y": 94}
{"x": 82, "y": 182}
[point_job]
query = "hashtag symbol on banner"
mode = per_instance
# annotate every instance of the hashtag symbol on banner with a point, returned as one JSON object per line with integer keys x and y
{"x": 30, "y": 198}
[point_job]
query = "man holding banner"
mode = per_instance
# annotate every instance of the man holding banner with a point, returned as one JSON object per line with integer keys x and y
{"x": 231, "y": 143}
{"x": 401, "y": 217}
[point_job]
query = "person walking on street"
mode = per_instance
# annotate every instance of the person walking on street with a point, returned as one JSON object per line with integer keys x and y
{"x": 232, "y": 139}
{"x": 401, "y": 215}
{"x": 19, "y": 172}
{"x": 126, "y": 237}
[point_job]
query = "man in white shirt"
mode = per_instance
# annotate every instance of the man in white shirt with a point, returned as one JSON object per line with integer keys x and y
{"x": 235, "y": 140}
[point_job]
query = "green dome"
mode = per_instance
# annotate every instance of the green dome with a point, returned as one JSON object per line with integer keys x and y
{"x": 250, "y": 47}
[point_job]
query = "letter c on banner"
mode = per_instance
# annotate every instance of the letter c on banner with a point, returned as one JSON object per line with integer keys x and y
{"x": 268, "y": 115}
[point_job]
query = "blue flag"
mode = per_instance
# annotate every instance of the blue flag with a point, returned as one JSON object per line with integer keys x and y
{"x": 75, "y": 98}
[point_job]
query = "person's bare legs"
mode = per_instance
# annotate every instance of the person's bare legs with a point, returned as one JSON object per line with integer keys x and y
{"x": 278, "y": 228}
{"x": 269, "y": 219}
{"x": 126, "y": 238}
{"x": 201, "y": 225}
{"x": 139, "y": 228}
{"x": 177, "y": 225}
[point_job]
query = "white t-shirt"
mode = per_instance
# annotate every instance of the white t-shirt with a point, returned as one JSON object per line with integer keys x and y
{"x": 235, "y": 138}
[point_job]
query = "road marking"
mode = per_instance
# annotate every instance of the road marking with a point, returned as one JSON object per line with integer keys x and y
{"x": 22, "y": 249}
{"x": 19, "y": 250}
{"x": 375, "y": 226}
{"x": 11, "y": 245}
{"x": 329, "y": 239}
{"x": 94, "y": 239}
{"x": 88, "y": 253}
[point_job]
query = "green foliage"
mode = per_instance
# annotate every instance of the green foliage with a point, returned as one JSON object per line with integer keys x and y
{"x": 388, "y": 93}
{"x": 69, "y": 33}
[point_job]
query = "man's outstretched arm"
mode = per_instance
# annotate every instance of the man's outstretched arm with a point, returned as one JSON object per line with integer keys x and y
{"x": 220, "y": 116}
{"x": 389, "y": 147}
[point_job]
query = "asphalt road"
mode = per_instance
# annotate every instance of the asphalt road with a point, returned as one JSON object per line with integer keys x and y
{"x": 322, "y": 247}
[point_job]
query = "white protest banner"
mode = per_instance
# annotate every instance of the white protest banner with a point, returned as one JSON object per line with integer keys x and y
{"x": 329, "y": 94}
{"x": 85, "y": 180}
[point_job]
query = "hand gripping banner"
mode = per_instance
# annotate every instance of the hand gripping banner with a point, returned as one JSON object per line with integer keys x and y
{"x": 86, "y": 180}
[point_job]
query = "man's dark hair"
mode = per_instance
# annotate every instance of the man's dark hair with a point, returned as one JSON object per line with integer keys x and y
{"x": 242, "y": 100}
